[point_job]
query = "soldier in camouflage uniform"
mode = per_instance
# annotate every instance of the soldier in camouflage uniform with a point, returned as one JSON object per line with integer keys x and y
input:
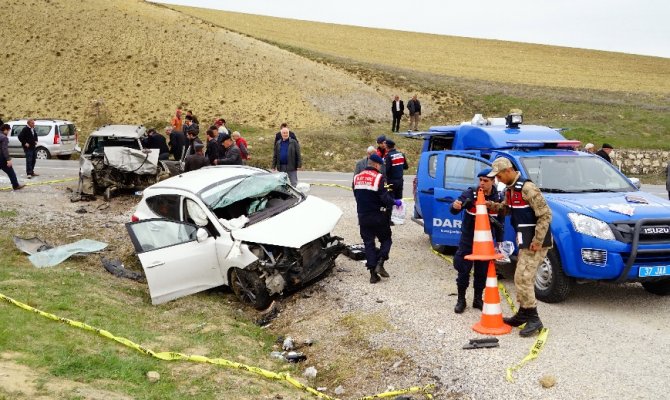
{"x": 531, "y": 217}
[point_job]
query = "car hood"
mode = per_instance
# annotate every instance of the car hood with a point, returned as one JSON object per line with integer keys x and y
{"x": 309, "y": 220}
{"x": 614, "y": 206}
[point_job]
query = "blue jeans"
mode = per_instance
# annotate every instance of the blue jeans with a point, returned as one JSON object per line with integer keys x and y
{"x": 31, "y": 159}
{"x": 10, "y": 173}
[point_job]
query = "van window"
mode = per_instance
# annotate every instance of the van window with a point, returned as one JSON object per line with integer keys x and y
{"x": 461, "y": 171}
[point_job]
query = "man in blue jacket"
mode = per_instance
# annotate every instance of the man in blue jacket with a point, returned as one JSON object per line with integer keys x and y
{"x": 466, "y": 202}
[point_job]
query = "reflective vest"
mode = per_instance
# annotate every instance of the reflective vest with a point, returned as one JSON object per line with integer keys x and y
{"x": 523, "y": 216}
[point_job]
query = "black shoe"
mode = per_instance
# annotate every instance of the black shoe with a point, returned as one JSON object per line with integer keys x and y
{"x": 477, "y": 301}
{"x": 379, "y": 269}
{"x": 533, "y": 324}
{"x": 374, "y": 278}
{"x": 517, "y": 319}
{"x": 460, "y": 303}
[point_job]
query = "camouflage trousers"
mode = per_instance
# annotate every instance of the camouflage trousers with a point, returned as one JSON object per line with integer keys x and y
{"x": 524, "y": 277}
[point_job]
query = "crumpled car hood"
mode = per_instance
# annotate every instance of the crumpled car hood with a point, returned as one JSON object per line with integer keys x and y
{"x": 294, "y": 227}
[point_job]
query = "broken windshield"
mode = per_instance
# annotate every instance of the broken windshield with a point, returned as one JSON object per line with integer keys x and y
{"x": 252, "y": 186}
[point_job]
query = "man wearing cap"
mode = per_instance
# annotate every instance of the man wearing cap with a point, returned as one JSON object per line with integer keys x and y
{"x": 372, "y": 204}
{"x": 530, "y": 217}
{"x": 381, "y": 147}
{"x": 605, "y": 151}
{"x": 395, "y": 163}
{"x": 196, "y": 160}
{"x": 397, "y": 110}
{"x": 231, "y": 153}
{"x": 466, "y": 202}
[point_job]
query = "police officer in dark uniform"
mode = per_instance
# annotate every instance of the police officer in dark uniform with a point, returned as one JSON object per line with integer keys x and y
{"x": 395, "y": 163}
{"x": 466, "y": 202}
{"x": 372, "y": 203}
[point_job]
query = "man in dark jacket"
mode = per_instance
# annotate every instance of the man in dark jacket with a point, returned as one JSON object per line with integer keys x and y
{"x": 231, "y": 153}
{"x": 177, "y": 142}
{"x": 28, "y": 139}
{"x": 155, "y": 140}
{"x": 287, "y": 157}
{"x": 466, "y": 202}
{"x": 372, "y": 204}
{"x": 6, "y": 160}
{"x": 213, "y": 147}
{"x": 397, "y": 110}
{"x": 196, "y": 160}
{"x": 395, "y": 164}
{"x": 605, "y": 151}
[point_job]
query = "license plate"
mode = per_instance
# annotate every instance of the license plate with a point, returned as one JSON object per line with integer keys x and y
{"x": 653, "y": 271}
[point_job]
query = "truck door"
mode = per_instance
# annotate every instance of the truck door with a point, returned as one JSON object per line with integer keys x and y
{"x": 456, "y": 171}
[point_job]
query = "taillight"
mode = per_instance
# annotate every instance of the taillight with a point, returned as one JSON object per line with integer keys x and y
{"x": 56, "y": 138}
{"x": 134, "y": 218}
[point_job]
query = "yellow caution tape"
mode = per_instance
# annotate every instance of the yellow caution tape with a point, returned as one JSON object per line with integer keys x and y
{"x": 42, "y": 183}
{"x": 446, "y": 257}
{"x": 172, "y": 356}
{"x": 534, "y": 352}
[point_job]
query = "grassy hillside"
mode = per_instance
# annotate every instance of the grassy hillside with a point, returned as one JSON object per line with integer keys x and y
{"x": 600, "y": 96}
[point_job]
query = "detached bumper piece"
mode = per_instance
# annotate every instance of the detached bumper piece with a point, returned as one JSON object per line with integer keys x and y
{"x": 482, "y": 343}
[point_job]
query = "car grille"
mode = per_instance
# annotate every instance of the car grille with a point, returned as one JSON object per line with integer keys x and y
{"x": 657, "y": 233}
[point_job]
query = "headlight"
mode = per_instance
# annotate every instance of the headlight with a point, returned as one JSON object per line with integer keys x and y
{"x": 591, "y": 226}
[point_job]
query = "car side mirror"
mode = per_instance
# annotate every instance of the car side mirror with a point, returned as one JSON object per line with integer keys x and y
{"x": 636, "y": 182}
{"x": 201, "y": 235}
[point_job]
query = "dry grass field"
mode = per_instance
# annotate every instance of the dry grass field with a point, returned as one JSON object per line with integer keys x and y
{"x": 488, "y": 60}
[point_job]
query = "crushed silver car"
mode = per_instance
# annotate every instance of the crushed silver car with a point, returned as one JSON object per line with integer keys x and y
{"x": 114, "y": 158}
{"x": 232, "y": 225}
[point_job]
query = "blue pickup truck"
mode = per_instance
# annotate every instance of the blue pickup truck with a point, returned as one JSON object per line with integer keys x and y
{"x": 604, "y": 227}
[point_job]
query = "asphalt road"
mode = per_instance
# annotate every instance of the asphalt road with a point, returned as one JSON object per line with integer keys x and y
{"x": 64, "y": 169}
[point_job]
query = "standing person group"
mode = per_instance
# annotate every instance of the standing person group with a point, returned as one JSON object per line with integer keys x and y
{"x": 398, "y": 110}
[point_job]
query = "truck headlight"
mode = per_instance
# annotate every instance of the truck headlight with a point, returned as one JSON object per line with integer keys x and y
{"x": 591, "y": 226}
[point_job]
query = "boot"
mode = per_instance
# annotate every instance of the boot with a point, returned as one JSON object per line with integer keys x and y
{"x": 380, "y": 269}
{"x": 374, "y": 278}
{"x": 533, "y": 323}
{"x": 477, "y": 300}
{"x": 517, "y": 319}
{"x": 460, "y": 303}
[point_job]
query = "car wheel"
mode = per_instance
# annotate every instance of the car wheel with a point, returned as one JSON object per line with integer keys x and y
{"x": 249, "y": 288}
{"x": 65, "y": 156}
{"x": 440, "y": 248}
{"x": 42, "y": 154}
{"x": 660, "y": 288}
{"x": 551, "y": 283}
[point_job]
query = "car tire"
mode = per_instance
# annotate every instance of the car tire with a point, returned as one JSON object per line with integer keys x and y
{"x": 551, "y": 283}
{"x": 440, "y": 248}
{"x": 65, "y": 156}
{"x": 659, "y": 288}
{"x": 249, "y": 288}
{"x": 42, "y": 153}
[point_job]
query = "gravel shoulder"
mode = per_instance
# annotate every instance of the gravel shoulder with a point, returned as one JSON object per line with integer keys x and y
{"x": 605, "y": 341}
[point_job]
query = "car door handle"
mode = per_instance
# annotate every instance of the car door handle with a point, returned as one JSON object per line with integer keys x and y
{"x": 428, "y": 191}
{"x": 156, "y": 264}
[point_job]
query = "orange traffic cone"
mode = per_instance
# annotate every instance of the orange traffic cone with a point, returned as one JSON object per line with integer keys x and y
{"x": 482, "y": 241}
{"x": 491, "y": 322}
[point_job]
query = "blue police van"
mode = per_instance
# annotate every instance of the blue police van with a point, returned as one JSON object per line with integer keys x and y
{"x": 604, "y": 227}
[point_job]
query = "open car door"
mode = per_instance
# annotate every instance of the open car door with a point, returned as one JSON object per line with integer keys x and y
{"x": 178, "y": 258}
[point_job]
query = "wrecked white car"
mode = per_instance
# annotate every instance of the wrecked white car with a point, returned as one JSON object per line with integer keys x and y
{"x": 114, "y": 158}
{"x": 232, "y": 225}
